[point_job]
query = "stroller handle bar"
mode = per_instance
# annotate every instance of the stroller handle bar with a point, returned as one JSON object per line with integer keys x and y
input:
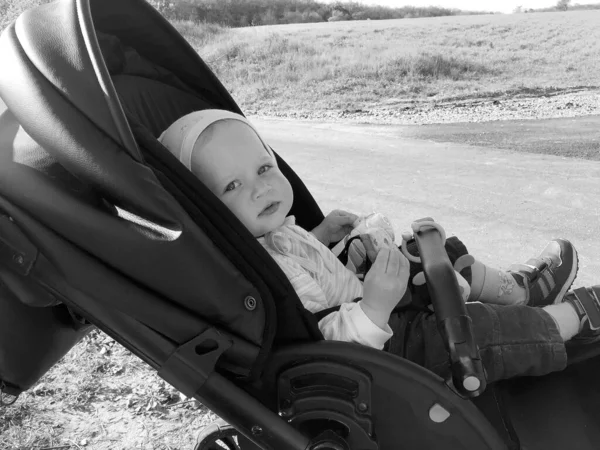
{"x": 468, "y": 376}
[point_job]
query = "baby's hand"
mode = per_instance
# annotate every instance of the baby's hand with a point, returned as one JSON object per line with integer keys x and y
{"x": 335, "y": 226}
{"x": 374, "y": 239}
{"x": 384, "y": 285}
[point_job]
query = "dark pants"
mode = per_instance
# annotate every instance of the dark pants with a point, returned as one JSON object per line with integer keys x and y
{"x": 513, "y": 340}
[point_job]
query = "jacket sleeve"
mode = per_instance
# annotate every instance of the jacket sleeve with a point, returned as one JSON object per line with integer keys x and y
{"x": 351, "y": 324}
{"x": 348, "y": 324}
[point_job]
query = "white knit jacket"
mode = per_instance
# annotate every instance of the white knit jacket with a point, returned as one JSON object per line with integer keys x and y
{"x": 321, "y": 281}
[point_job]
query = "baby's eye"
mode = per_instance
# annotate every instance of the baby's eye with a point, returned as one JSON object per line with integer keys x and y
{"x": 264, "y": 168}
{"x": 231, "y": 186}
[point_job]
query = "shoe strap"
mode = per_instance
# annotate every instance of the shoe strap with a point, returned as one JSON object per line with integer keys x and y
{"x": 532, "y": 269}
{"x": 589, "y": 300}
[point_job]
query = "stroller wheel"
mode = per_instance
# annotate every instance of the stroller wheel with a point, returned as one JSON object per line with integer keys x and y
{"x": 219, "y": 435}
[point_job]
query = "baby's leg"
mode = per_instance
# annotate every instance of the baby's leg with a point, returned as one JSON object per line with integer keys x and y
{"x": 490, "y": 285}
{"x": 486, "y": 284}
{"x": 578, "y": 315}
{"x": 513, "y": 340}
{"x": 543, "y": 280}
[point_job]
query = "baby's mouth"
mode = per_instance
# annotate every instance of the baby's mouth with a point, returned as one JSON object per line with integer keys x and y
{"x": 271, "y": 208}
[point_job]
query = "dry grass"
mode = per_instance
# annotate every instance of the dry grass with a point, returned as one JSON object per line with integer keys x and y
{"x": 103, "y": 398}
{"x": 353, "y": 65}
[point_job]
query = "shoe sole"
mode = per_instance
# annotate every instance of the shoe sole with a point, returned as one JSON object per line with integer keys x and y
{"x": 569, "y": 282}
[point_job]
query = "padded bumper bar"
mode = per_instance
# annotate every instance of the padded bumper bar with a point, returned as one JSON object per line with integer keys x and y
{"x": 468, "y": 377}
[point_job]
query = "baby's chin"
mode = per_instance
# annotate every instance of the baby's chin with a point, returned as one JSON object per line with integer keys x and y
{"x": 272, "y": 225}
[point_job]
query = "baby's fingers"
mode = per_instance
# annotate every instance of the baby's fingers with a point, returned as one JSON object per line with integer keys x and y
{"x": 344, "y": 217}
{"x": 394, "y": 262}
{"x": 404, "y": 269}
{"x": 387, "y": 261}
{"x": 381, "y": 261}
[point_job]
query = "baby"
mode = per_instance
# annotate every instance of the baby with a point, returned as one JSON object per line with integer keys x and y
{"x": 228, "y": 155}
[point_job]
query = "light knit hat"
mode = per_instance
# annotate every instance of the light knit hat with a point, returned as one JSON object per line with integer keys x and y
{"x": 183, "y": 134}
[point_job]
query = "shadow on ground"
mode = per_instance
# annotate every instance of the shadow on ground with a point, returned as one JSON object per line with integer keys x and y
{"x": 577, "y": 137}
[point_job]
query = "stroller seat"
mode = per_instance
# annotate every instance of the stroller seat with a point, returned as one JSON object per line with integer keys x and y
{"x": 117, "y": 234}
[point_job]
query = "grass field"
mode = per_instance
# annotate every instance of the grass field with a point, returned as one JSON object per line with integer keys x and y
{"x": 353, "y": 65}
{"x": 362, "y": 64}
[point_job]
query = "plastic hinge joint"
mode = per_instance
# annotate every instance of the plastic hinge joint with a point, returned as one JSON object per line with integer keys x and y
{"x": 190, "y": 365}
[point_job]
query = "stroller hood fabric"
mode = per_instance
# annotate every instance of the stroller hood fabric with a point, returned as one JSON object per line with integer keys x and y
{"x": 131, "y": 241}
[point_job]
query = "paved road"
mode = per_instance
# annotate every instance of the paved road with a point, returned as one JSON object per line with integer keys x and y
{"x": 503, "y": 205}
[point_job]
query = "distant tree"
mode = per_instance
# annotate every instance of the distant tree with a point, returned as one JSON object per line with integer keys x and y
{"x": 236, "y": 13}
{"x": 269, "y": 17}
{"x": 339, "y": 15}
{"x": 292, "y": 17}
{"x": 311, "y": 16}
{"x": 563, "y": 5}
{"x": 340, "y": 12}
{"x": 518, "y": 10}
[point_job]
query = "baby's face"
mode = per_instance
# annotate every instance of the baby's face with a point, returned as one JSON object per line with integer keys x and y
{"x": 235, "y": 165}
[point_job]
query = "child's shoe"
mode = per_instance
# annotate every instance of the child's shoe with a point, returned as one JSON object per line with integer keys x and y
{"x": 586, "y": 302}
{"x": 548, "y": 277}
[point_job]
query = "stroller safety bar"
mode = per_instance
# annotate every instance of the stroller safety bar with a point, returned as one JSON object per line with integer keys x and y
{"x": 468, "y": 376}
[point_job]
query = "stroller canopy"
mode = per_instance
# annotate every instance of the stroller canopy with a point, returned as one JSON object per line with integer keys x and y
{"x": 120, "y": 224}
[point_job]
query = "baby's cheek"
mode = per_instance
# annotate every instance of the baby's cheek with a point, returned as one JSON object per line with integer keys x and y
{"x": 287, "y": 193}
{"x": 240, "y": 211}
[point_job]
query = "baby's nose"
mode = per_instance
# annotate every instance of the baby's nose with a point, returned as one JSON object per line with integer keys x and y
{"x": 261, "y": 188}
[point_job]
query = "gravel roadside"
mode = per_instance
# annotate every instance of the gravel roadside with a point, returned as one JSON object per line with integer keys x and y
{"x": 564, "y": 124}
{"x": 576, "y": 102}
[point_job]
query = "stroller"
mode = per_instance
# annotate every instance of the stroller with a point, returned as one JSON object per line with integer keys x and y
{"x": 100, "y": 226}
